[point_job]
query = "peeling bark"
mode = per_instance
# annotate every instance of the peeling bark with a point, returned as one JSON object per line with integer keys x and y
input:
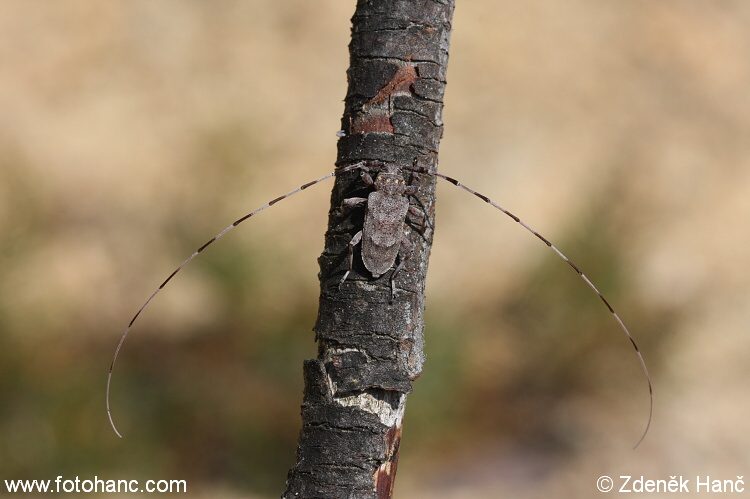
{"x": 369, "y": 350}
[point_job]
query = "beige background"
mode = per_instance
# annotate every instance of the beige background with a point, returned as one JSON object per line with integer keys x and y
{"x": 132, "y": 131}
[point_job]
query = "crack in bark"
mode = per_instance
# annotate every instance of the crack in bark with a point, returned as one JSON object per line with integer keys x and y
{"x": 391, "y": 58}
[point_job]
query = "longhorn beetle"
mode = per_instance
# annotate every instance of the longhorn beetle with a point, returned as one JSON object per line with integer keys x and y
{"x": 384, "y": 245}
{"x": 383, "y": 235}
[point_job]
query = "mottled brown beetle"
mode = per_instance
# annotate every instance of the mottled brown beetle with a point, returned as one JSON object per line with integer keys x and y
{"x": 384, "y": 235}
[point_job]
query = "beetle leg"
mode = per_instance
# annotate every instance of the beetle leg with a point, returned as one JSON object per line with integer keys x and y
{"x": 417, "y": 220}
{"x": 351, "y": 203}
{"x": 350, "y": 249}
{"x": 367, "y": 178}
{"x": 419, "y": 229}
{"x": 418, "y": 216}
{"x": 412, "y": 209}
{"x": 404, "y": 253}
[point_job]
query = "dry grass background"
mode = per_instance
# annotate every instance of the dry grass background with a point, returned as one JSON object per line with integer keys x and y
{"x": 131, "y": 131}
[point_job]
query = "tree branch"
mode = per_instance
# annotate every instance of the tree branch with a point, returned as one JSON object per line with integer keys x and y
{"x": 369, "y": 349}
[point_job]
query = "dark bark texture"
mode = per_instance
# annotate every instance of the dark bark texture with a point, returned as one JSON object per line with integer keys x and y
{"x": 370, "y": 349}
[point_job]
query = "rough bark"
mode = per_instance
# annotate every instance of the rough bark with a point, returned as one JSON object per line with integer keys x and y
{"x": 369, "y": 350}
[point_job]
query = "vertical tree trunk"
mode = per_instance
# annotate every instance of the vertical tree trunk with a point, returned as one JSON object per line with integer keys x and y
{"x": 370, "y": 350}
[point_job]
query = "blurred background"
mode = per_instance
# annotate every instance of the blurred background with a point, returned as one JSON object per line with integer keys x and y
{"x": 132, "y": 131}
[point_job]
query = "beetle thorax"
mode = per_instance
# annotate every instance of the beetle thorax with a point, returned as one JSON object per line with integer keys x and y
{"x": 391, "y": 184}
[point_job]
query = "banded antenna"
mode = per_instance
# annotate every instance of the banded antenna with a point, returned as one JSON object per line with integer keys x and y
{"x": 189, "y": 259}
{"x": 451, "y": 180}
{"x": 588, "y": 282}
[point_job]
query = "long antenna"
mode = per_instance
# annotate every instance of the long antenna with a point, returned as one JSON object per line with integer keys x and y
{"x": 189, "y": 259}
{"x": 585, "y": 279}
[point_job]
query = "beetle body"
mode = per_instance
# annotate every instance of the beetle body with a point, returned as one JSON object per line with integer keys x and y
{"x": 384, "y": 240}
{"x": 383, "y": 230}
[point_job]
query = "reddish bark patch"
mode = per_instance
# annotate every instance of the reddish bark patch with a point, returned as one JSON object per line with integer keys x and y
{"x": 385, "y": 476}
{"x": 374, "y": 122}
{"x": 401, "y": 82}
{"x": 375, "y": 115}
